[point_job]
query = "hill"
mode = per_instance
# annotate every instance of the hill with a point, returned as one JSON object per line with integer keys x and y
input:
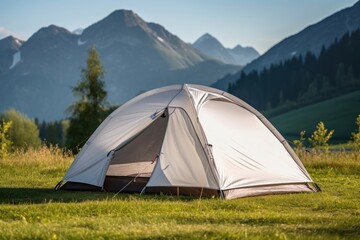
{"x": 339, "y": 113}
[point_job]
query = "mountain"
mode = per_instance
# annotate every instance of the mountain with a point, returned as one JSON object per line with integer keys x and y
{"x": 213, "y": 48}
{"x": 9, "y": 48}
{"x": 302, "y": 81}
{"x": 312, "y": 38}
{"x": 78, "y": 31}
{"x": 136, "y": 56}
{"x": 243, "y": 55}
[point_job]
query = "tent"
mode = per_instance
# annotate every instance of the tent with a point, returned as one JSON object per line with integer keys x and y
{"x": 190, "y": 140}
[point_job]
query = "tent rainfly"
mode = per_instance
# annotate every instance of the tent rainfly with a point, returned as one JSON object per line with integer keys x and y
{"x": 189, "y": 140}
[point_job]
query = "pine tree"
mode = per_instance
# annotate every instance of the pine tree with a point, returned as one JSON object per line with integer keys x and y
{"x": 90, "y": 108}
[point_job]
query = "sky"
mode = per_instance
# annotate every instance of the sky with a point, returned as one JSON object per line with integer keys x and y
{"x": 257, "y": 23}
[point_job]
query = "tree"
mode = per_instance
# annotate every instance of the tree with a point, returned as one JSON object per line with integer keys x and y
{"x": 53, "y": 133}
{"x": 23, "y": 133}
{"x": 5, "y": 142}
{"x": 90, "y": 108}
{"x": 320, "y": 137}
{"x": 355, "y": 136}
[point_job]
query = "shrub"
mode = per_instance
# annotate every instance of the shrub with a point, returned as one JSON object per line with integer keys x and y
{"x": 24, "y": 132}
{"x": 299, "y": 143}
{"x": 320, "y": 137}
{"x": 5, "y": 142}
{"x": 355, "y": 136}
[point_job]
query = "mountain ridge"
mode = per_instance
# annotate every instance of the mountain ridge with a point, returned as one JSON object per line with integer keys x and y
{"x": 212, "y": 47}
{"x": 9, "y": 52}
{"x": 312, "y": 38}
{"x": 317, "y": 35}
{"x": 136, "y": 55}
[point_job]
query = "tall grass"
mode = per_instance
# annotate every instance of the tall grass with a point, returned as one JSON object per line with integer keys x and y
{"x": 31, "y": 209}
{"x": 343, "y": 160}
{"x": 34, "y": 167}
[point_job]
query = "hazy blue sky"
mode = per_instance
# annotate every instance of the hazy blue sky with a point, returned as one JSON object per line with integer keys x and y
{"x": 252, "y": 22}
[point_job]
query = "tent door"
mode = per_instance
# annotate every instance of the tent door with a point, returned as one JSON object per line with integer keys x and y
{"x": 132, "y": 164}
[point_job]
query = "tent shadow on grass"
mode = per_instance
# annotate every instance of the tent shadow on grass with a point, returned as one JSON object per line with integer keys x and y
{"x": 45, "y": 195}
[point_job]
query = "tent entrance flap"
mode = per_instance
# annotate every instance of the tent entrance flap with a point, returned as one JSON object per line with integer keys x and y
{"x": 137, "y": 158}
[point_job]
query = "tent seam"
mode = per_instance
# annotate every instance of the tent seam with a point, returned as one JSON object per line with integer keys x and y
{"x": 208, "y": 152}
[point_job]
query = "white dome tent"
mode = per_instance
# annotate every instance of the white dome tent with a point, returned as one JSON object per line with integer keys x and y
{"x": 188, "y": 139}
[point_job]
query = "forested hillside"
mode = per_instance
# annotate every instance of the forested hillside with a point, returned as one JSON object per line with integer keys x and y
{"x": 304, "y": 80}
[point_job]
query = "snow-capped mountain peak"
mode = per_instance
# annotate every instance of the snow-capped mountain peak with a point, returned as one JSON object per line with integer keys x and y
{"x": 78, "y": 31}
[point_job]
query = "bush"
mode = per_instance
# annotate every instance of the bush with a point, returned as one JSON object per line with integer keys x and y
{"x": 24, "y": 132}
{"x": 320, "y": 137}
{"x": 5, "y": 142}
{"x": 299, "y": 143}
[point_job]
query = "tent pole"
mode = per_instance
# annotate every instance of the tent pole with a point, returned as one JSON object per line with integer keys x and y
{"x": 142, "y": 191}
{"x": 222, "y": 194}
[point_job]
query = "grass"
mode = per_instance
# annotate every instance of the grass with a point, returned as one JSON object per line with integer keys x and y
{"x": 339, "y": 113}
{"x": 31, "y": 209}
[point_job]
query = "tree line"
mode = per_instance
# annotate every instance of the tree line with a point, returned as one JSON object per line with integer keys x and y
{"x": 25, "y": 134}
{"x": 303, "y": 80}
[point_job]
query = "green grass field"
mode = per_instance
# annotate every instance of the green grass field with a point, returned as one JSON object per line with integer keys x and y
{"x": 339, "y": 113}
{"x": 31, "y": 209}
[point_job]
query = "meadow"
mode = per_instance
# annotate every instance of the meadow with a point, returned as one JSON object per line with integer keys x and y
{"x": 31, "y": 209}
{"x": 338, "y": 113}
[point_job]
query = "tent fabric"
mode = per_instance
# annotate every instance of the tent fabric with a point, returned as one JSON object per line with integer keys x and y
{"x": 189, "y": 137}
{"x": 183, "y": 161}
{"x": 267, "y": 190}
{"x": 246, "y": 146}
{"x": 120, "y": 126}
